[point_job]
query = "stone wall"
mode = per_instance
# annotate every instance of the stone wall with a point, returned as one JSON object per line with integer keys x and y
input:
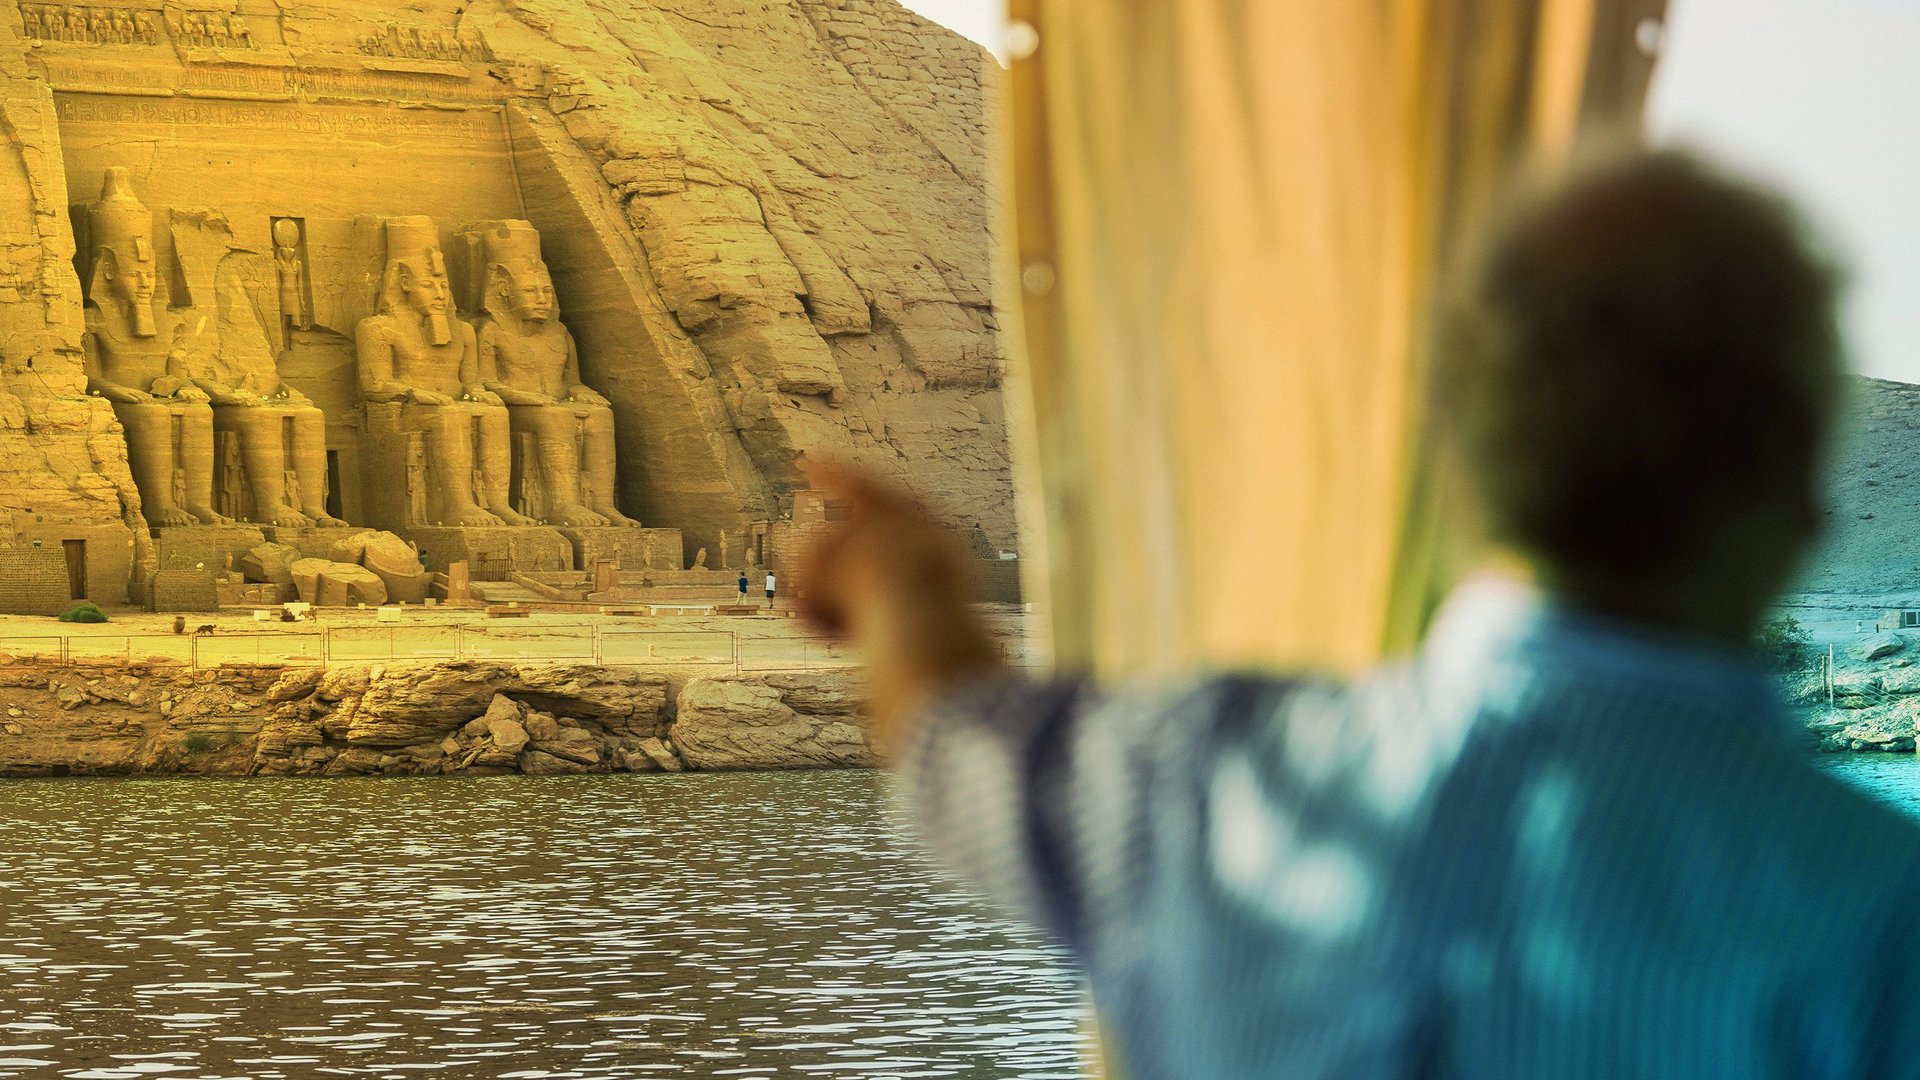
{"x": 33, "y": 581}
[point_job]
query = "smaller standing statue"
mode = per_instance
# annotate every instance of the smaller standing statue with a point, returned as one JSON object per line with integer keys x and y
{"x": 289, "y": 268}
{"x": 528, "y": 358}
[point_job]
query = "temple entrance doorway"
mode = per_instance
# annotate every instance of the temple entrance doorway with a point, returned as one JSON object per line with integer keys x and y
{"x": 76, "y": 568}
{"x": 334, "y": 506}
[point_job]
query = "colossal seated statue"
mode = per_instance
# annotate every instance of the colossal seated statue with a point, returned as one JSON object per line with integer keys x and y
{"x": 415, "y": 354}
{"x": 270, "y": 441}
{"x": 282, "y": 437}
{"x": 528, "y": 358}
{"x": 130, "y": 362}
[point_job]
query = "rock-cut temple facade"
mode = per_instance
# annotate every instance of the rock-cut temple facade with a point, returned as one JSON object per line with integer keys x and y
{"x": 551, "y": 284}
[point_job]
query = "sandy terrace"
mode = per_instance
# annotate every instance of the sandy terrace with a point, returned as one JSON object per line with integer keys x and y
{"x": 359, "y": 635}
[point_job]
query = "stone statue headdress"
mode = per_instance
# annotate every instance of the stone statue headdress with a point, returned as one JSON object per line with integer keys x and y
{"x": 510, "y": 250}
{"x": 415, "y": 269}
{"x": 120, "y": 241}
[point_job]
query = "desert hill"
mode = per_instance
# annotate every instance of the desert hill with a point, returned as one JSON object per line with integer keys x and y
{"x": 1872, "y": 545}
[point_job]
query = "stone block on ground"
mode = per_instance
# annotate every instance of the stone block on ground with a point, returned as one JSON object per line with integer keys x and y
{"x": 270, "y": 563}
{"x": 345, "y": 584}
{"x": 306, "y": 577}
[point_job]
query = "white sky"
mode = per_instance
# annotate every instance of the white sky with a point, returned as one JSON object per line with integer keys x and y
{"x": 1819, "y": 96}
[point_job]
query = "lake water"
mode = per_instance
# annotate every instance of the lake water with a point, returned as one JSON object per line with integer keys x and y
{"x": 677, "y": 926}
{"x": 698, "y": 925}
{"x": 1891, "y": 778}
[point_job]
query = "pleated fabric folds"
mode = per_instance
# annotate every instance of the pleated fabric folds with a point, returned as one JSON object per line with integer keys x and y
{"x": 1229, "y": 222}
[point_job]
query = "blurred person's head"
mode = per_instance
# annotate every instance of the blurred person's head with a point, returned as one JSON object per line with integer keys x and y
{"x": 1641, "y": 378}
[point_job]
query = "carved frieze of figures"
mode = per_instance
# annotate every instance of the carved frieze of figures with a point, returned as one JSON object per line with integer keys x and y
{"x": 82, "y": 25}
{"x": 413, "y": 43}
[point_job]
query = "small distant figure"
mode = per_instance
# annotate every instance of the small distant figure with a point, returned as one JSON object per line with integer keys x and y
{"x": 743, "y": 586}
{"x": 770, "y": 584}
{"x": 700, "y": 559}
{"x": 204, "y": 628}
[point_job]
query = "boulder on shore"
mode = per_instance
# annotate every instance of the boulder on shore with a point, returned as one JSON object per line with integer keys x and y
{"x": 1878, "y": 647}
{"x": 745, "y": 722}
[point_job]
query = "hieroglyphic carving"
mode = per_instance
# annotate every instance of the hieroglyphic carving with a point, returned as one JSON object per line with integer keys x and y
{"x": 527, "y": 357}
{"x": 270, "y": 116}
{"x": 75, "y": 25}
{"x": 68, "y": 74}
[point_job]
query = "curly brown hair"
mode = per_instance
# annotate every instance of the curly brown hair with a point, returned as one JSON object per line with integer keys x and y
{"x": 1636, "y": 356}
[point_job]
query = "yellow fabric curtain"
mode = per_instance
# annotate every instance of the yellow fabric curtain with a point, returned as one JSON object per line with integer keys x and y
{"x": 1230, "y": 216}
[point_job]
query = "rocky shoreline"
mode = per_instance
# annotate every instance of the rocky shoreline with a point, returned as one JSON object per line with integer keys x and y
{"x": 1875, "y": 697}
{"x": 454, "y": 719}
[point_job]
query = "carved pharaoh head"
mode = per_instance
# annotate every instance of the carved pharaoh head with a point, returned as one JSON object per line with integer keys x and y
{"x": 517, "y": 278}
{"x": 120, "y": 234}
{"x": 416, "y": 277}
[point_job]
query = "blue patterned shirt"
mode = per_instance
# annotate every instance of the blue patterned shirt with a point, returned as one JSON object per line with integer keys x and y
{"x": 1551, "y": 846}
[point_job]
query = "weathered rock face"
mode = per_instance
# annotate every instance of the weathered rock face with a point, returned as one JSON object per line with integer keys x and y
{"x": 766, "y": 224}
{"x": 1875, "y": 696}
{"x": 451, "y": 719}
{"x": 770, "y": 722}
{"x": 63, "y": 458}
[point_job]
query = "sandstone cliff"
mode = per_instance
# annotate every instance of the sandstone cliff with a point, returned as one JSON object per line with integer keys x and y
{"x": 807, "y": 186}
{"x": 767, "y": 223}
{"x": 468, "y": 719}
{"x": 1873, "y": 510}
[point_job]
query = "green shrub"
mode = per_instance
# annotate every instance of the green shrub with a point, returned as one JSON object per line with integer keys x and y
{"x": 84, "y": 611}
{"x": 1785, "y": 644}
{"x": 197, "y": 742}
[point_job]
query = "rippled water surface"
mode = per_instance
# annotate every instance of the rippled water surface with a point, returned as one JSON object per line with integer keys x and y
{"x": 702, "y": 925}
{"x": 1892, "y": 778}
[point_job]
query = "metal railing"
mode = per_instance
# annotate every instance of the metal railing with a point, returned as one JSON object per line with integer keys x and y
{"x": 349, "y": 645}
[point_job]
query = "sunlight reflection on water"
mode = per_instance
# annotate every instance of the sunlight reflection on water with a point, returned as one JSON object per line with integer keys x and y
{"x": 701, "y": 925}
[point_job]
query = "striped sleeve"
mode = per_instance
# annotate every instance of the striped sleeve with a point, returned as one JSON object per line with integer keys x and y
{"x": 1041, "y": 795}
